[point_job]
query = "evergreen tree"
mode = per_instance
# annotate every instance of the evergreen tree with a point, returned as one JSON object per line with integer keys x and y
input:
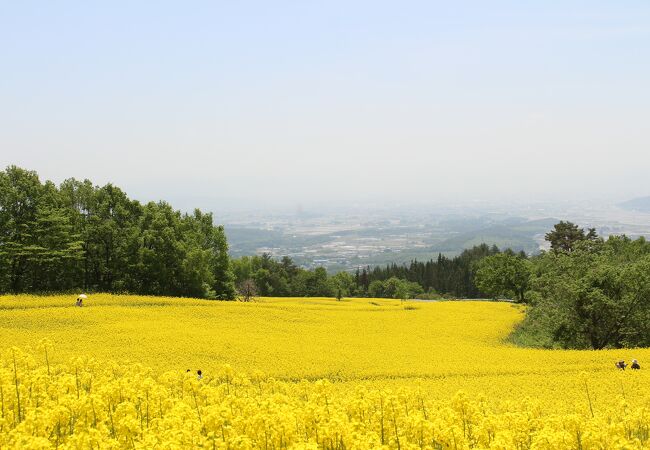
{"x": 565, "y": 235}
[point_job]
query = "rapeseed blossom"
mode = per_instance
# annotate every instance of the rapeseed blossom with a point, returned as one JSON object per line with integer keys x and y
{"x": 302, "y": 373}
{"x": 86, "y": 403}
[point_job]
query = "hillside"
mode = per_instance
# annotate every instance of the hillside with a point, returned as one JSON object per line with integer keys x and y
{"x": 446, "y": 346}
{"x": 641, "y": 204}
{"x": 302, "y": 373}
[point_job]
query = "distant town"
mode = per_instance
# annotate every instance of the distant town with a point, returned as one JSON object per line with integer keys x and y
{"x": 343, "y": 240}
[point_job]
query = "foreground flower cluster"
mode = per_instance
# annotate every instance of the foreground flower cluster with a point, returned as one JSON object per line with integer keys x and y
{"x": 91, "y": 404}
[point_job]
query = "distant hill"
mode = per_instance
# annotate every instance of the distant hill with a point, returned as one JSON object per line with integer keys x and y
{"x": 499, "y": 235}
{"x": 641, "y": 204}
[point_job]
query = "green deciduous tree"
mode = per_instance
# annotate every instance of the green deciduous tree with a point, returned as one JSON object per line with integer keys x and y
{"x": 394, "y": 288}
{"x": 595, "y": 296}
{"x": 20, "y": 196}
{"x": 504, "y": 274}
{"x": 342, "y": 285}
{"x": 80, "y": 236}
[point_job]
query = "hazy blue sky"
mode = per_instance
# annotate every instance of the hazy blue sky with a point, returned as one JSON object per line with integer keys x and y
{"x": 279, "y": 103}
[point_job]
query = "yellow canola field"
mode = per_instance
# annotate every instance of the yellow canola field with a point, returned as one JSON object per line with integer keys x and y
{"x": 359, "y": 373}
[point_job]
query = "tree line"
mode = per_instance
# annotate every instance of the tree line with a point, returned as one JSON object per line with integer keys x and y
{"x": 585, "y": 292}
{"x": 80, "y": 236}
{"x": 436, "y": 278}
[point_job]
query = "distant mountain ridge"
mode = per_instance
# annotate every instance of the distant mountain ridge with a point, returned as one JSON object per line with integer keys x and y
{"x": 641, "y": 204}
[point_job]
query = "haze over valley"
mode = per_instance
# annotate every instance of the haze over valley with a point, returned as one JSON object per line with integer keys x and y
{"x": 346, "y": 238}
